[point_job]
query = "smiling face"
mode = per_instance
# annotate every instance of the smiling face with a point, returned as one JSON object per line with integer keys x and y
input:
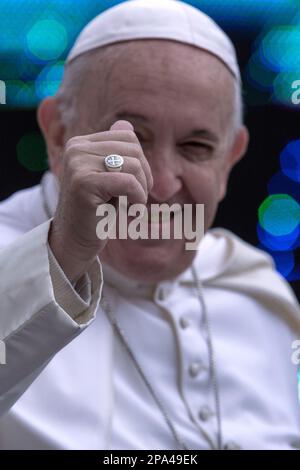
{"x": 180, "y": 101}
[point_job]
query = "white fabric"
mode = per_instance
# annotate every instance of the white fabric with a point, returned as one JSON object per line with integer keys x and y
{"x": 160, "y": 19}
{"x": 257, "y": 379}
{"x": 89, "y": 395}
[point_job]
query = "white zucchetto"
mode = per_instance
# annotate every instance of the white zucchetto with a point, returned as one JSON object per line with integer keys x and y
{"x": 160, "y": 19}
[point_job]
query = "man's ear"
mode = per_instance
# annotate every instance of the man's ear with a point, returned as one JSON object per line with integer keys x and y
{"x": 235, "y": 154}
{"x": 50, "y": 123}
{"x": 239, "y": 147}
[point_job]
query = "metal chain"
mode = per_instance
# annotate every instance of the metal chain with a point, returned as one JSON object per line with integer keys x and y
{"x": 212, "y": 365}
{"x": 212, "y": 357}
{"x": 120, "y": 332}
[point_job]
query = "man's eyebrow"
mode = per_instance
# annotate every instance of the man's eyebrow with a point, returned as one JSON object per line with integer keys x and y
{"x": 204, "y": 133}
{"x": 200, "y": 133}
{"x": 127, "y": 116}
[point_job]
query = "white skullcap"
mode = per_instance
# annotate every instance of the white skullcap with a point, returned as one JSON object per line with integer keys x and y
{"x": 160, "y": 19}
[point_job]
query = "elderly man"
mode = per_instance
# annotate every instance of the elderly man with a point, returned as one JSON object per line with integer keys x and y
{"x": 142, "y": 344}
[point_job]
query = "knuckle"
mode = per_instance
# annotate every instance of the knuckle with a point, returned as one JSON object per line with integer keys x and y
{"x": 137, "y": 148}
{"x": 132, "y": 137}
{"x": 73, "y": 148}
{"x": 136, "y": 166}
{"x": 134, "y": 150}
{"x": 69, "y": 152}
{"x": 73, "y": 140}
{"x": 130, "y": 183}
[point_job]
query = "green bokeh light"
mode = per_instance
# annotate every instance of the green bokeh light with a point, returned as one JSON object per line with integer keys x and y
{"x": 279, "y": 214}
{"x": 47, "y": 39}
{"x": 31, "y": 152}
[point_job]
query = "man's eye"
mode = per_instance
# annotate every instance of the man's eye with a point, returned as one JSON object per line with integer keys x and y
{"x": 197, "y": 151}
{"x": 199, "y": 145}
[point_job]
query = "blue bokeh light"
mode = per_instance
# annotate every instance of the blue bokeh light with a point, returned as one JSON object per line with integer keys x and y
{"x": 280, "y": 48}
{"x": 45, "y": 30}
{"x": 290, "y": 160}
{"x": 49, "y": 80}
{"x": 271, "y": 242}
{"x": 284, "y": 260}
{"x": 280, "y": 183}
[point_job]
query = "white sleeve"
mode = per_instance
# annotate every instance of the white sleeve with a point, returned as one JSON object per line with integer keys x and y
{"x": 40, "y": 312}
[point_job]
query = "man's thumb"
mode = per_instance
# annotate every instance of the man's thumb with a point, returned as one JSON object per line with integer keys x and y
{"x": 122, "y": 126}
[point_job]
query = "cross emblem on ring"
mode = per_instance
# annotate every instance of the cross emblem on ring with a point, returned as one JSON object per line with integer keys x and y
{"x": 114, "y": 161}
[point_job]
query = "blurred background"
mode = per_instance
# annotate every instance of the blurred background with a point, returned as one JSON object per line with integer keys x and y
{"x": 263, "y": 202}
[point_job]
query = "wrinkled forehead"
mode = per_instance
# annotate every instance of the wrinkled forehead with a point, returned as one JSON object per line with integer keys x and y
{"x": 161, "y": 68}
{"x": 157, "y": 61}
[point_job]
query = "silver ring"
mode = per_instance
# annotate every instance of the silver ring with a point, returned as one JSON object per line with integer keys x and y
{"x": 114, "y": 162}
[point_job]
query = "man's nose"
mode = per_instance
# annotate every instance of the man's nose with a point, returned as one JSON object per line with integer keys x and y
{"x": 166, "y": 173}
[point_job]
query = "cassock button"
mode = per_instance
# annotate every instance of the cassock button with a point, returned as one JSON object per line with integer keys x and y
{"x": 231, "y": 445}
{"x": 161, "y": 295}
{"x": 184, "y": 322}
{"x": 163, "y": 292}
{"x": 195, "y": 368}
{"x": 205, "y": 413}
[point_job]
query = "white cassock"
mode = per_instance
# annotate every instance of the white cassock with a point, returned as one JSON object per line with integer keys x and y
{"x": 68, "y": 382}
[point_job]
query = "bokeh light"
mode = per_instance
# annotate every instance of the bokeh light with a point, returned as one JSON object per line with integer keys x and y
{"x": 47, "y": 39}
{"x": 280, "y": 242}
{"x": 31, "y": 152}
{"x": 45, "y": 30}
{"x": 278, "y": 229}
{"x": 49, "y": 80}
{"x": 280, "y": 183}
{"x": 279, "y": 214}
{"x": 284, "y": 261}
{"x": 290, "y": 160}
{"x": 280, "y": 48}
{"x": 275, "y": 65}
